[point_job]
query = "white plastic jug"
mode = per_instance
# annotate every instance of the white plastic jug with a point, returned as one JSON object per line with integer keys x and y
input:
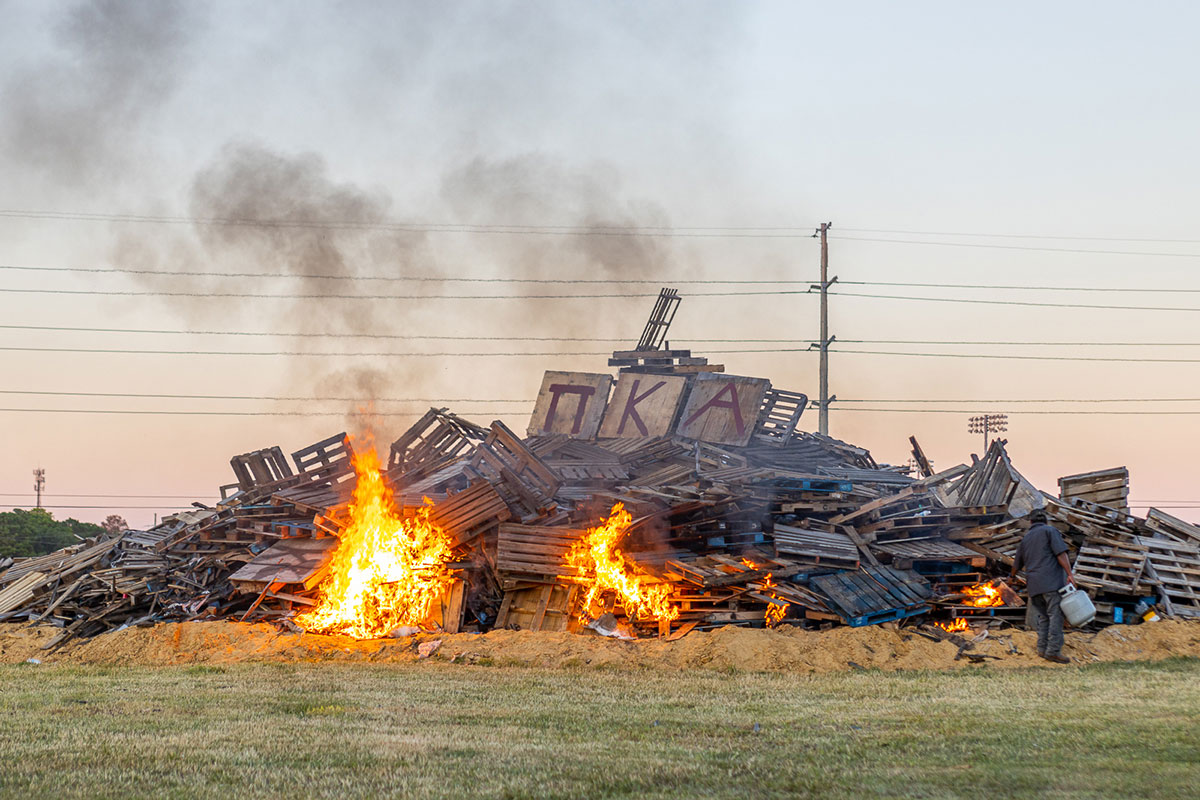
{"x": 1076, "y": 606}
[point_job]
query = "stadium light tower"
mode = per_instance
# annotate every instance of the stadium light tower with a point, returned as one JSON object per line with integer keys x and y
{"x": 986, "y": 424}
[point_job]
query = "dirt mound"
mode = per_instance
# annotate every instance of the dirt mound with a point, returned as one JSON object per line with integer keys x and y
{"x": 786, "y": 650}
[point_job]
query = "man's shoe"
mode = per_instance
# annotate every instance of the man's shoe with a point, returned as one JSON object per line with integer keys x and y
{"x": 1041, "y": 653}
{"x": 1057, "y": 659}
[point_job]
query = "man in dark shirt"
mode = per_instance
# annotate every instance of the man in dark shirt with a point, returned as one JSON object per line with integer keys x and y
{"x": 1043, "y": 555}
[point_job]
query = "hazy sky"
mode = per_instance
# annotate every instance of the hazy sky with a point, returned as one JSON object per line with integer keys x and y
{"x": 958, "y": 145}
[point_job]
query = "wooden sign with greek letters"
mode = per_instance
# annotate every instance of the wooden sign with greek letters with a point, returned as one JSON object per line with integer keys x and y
{"x": 642, "y": 405}
{"x": 571, "y": 403}
{"x": 722, "y": 409}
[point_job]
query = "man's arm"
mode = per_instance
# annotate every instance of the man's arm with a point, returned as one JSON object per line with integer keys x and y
{"x": 1065, "y": 563}
{"x": 1018, "y": 562}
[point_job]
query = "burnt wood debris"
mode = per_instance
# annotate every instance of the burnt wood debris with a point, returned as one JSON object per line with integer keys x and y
{"x": 749, "y": 520}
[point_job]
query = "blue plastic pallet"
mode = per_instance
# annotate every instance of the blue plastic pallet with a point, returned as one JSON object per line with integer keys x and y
{"x": 891, "y": 615}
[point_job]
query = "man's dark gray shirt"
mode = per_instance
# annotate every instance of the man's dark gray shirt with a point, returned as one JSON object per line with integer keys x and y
{"x": 1038, "y": 554}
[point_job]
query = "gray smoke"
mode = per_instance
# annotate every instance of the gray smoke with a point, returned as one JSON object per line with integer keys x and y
{"x": 531, "y": 189}
{"x": 77, "y": 115}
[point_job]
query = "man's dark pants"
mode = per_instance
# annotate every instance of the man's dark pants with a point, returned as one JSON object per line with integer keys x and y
{"x": 1048, "y": 616}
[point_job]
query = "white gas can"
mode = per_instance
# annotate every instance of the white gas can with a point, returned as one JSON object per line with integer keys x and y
{"x": 1076, "y": 606}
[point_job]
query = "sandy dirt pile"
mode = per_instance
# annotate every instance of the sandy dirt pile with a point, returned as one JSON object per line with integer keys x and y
{"x": 786, "y": 650}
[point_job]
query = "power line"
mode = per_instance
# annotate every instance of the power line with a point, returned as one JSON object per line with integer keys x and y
{"x": 1026, "y": 400}
{"x": 626, "y": 295}
{"x": 330, "y": 335}
{"x": 1025, "y": 236}
{"x": 511, "y": 412}
{"x": 580, "y": 281}
{"x": 328, "y": 296}
{"x": 109, "y": 506}
{"x": 428, "y": 227}
{"x": 1029, "y": 303}
{"x": 299, "y": 398}
{"x": 395, "y": 278}
{"x": 157, "y": 413}
{"x": 119, "y": 496}
{"x": 543, "y": 354}
{"x": 1101, "y": 359}
{"x": 589, "y": 339}
{"x": 1039, "y": 412}
{"x": 425, "y": 226}
{"x": 1016, "y": 287}
{"x": 992, "y": 246}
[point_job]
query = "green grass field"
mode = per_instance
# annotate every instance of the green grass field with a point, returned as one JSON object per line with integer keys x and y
{"x": 300, "y": 731}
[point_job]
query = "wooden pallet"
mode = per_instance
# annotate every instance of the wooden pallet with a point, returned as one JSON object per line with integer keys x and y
{"x": 1110, "y": 564}
{"x": 1175, "y": 568}
{"x": 435, "y": 436}
{"x": 464, "y": 515}
{"x": 537, "y": 607}
{"x": 906, "y": 552}
{"x": 818, "y": 547}
{"x": 504, "y": 459}
{"x": 298, "y": 562}
{"x": 1173, "y": 527}
{"x": 874, "y": 594}
{"x": 1107, "y": 487}
{"x": 534, "y": 550}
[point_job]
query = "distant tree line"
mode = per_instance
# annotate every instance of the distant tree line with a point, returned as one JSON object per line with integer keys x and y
{"x": 35, "y": 532}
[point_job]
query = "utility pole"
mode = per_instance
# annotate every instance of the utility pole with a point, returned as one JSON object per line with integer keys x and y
{"x": 39, "y": 483}
{"x": 825, "y": 399}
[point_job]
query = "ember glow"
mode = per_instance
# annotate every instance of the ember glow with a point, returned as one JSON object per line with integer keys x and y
{"x": 602, "y": 567}
{"x": 388, "y": 571}
{"x": 982, "y": 595}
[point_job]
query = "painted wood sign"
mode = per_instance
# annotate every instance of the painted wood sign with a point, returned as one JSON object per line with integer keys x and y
{"x": 571, "y": 403}
{"x": 643, "y": 405}
{"x": 710, "y": 407}
{"x": 722, "y": 409}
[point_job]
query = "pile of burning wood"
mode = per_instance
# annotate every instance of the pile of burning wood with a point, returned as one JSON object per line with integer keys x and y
{"x": 671, "y": 499}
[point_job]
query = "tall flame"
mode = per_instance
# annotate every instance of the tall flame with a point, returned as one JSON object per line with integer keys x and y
{"x": 602, "y": 567}
{"x": 387, "y": 571}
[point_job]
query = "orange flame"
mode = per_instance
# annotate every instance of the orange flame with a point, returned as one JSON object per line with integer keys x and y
{"x": 602, "y": 567}
{"x": 955, "y": 626}
{"x": 982, "y": 595}
{"x": 387, "y": 571}
{"x": 775, "y": 612}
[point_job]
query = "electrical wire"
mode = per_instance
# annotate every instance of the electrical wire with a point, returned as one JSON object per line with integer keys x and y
{"x": 1021, "y": 236}
{"x": 1027, "y": 303}
{"x": 448, "y": 338}
{"x": 160, "y": 413}
{"x": 543, "y": 354}
{"x": 397, "y": 278}
{"x": 1007, "y": 357}
{"x": 1026, "y": 400}
{"x": 1031, "y": 248}
{"x": 586, "y": 281}
{"x": 298, "y": 398}
{"x": 430, "y": 227}
{"x": 1039, "y": 412}
{"x": 328, "y": 296}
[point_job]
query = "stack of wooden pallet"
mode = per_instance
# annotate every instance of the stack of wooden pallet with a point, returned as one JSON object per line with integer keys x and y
{"x": 739, "y": 516}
